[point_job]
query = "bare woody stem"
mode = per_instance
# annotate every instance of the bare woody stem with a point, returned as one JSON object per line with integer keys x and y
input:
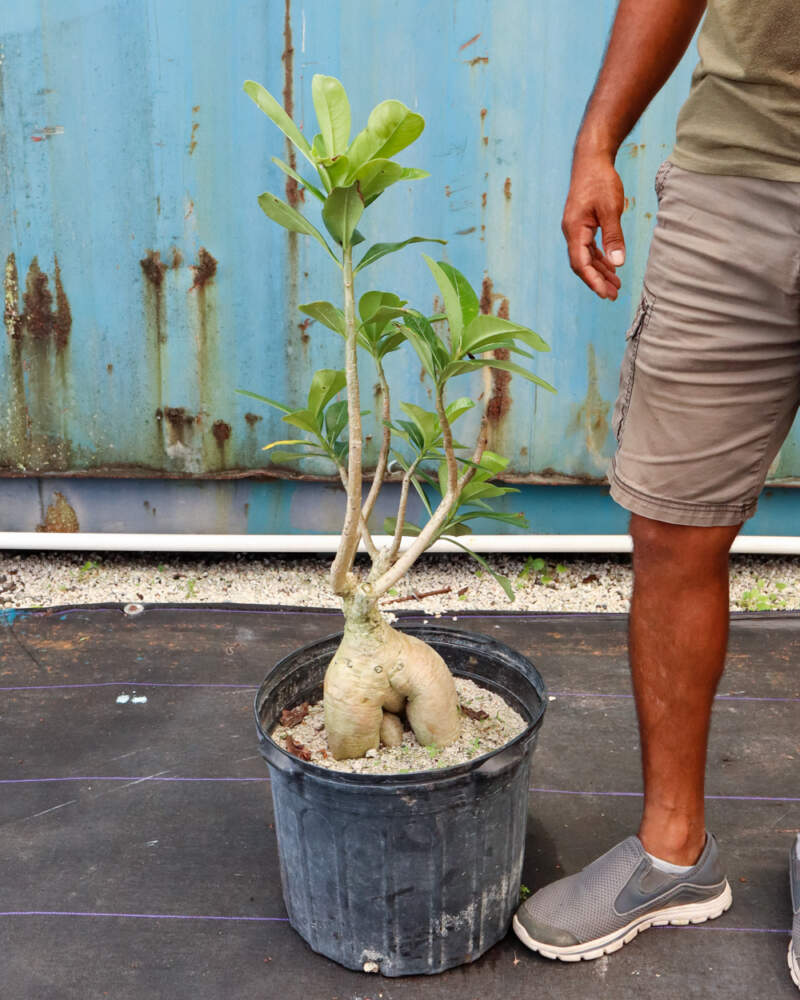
{"x": 386, "y": 440}
{"x": 401, "y": 510}
{"x": 366, "y": 535}
{"x": 340, "y": 570}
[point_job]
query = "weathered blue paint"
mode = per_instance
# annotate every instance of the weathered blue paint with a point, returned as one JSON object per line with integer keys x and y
{"x": 127, "y": 139}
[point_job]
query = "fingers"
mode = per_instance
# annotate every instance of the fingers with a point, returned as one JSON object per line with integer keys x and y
{"x": 590, "y": 265}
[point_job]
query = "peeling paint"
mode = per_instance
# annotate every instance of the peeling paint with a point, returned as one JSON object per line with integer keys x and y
{"x": 204, "y": 270}
{"x": 59, "y": 516}
{"x": 221, "y": 432}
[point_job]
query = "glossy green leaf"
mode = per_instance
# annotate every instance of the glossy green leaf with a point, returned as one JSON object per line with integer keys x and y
{"x": 414, "y": 174}
{"x": 290, "y": 219}
{"x": 467, "y": 296}
{"x": 378, "y": 250}
{"x": 390, "y": 526}
{"x": 425, "y": 341}
{"x": 268, "y": 447}
{"x": 324, "y": 386}
{"x": 375, "y": 176}
{"x": 457, "y": 407}
{"x": 452, "y": 303}
{"x": 273, "y": 110}
{"x": 482, "y": 327}
{"x": 427, "y": 422}
{"x": 327, "y": 314}
{"x": 264, "y": 399}
{"x": 306, "y": 420}
{"x": 460, "y": 367}
{"x": 333, "y": 112}
{"x": 337, "y": 170}
{"x": 335, "y": 420}
{"x": 342, "y": 209}
{"x": 391, "y": 127}
{"x": 371, "y": 302}
{"x": 300, "y": 180}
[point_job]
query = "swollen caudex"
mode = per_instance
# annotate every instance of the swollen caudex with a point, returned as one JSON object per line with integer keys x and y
{"x": 377, "y": 673}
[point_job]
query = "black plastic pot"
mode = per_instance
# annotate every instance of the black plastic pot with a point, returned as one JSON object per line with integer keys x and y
{"x": 404, "y": 873}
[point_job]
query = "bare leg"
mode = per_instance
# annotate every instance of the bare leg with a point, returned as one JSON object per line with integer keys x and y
{"x": 678, "y": 637}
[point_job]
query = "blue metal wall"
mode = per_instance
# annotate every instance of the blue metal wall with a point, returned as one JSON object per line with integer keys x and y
{"x": 143, "y": 285}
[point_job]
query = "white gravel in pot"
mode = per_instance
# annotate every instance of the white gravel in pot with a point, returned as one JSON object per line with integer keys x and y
{"x": 559, "y": 583}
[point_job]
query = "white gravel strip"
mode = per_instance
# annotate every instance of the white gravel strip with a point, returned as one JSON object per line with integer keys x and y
{"x": 41, "y": 579}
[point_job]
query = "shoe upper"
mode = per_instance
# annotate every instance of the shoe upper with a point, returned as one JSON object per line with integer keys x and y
{"x": 612, "y": 891}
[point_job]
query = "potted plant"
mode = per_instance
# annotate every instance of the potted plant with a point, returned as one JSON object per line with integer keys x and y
{"x": 407, "y": 872}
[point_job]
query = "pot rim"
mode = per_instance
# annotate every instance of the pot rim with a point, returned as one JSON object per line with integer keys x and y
{"x": 512, "y": 750}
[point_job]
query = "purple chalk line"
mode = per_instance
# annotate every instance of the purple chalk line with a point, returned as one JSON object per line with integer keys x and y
{"x": 285, "y": 920}
{"x": 138, "y": 916}
{"x": 543, "y": 791}
{"x": 254, "y": 687}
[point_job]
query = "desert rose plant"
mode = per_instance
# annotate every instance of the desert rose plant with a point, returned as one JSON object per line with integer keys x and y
{"x": 378, "y": 673}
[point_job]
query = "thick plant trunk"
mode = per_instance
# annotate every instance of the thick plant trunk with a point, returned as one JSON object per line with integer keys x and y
{"x": 377, "y": 673}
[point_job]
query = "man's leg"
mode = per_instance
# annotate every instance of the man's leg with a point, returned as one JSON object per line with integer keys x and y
{"x": 677, "y": 640}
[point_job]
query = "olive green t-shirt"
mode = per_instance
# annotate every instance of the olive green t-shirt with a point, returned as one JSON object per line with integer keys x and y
{"x": 743, "y": 111}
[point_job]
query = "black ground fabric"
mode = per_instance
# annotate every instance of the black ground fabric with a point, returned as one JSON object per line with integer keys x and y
{"x": 137, "y": 860}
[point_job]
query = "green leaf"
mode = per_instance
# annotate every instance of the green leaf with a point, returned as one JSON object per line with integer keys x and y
{"x": 414, "y": 174}
{"x": 425, "y": 341}
{"x": 300, "y": 180}
{"x": 371, "y": 302}
{"x": 306, "y": 420}
{"x": 327, "y": 314}
{"x": 290, "y": 219}
{"x": 517, "y": 520}
{"x": 390, "y": 342}
{"x": 318, "y": 150}
{"x": 333, "y": 112}
{"x": 391, "y": 127}
{"x": 378, "y": 250}
{"x": 482, "y": 327}
{"x": 264, "y": 399}
{"x": 504, "y": 582}
{"x": 324, "y": 386}
{"x": 390, "y": 526}
{"x": 467, "y": 297}
{"x": 342, "y": 209}
{"x": 337, "y": 169}
{"x": 375, "y": 176}
{"x": 275, "y": 444}
{"x": 458, "y": 407}
{"x": 452, "y": 304}
{"x": 460, "y": 367}
{"x": 273, "y": 110}
{"x": 335, "y": 420}
{"x": 427, "y": 422}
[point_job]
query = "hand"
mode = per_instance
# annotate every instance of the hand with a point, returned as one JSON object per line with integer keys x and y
{"x": 595, "y": 201}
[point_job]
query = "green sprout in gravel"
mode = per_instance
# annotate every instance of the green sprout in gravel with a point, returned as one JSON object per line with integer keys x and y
{"x": 378, "y": 672}
{"x": 759, "y": 598}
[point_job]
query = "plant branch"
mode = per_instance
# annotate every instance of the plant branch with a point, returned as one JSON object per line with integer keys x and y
{"x": 348, "y": 544}
{"x": 439, "y": 516}
{"x": 477, "y": 455}
{"x": 366, "y": 534}
{"x": 394, "y": 548}
{"x": 383, "y": 457}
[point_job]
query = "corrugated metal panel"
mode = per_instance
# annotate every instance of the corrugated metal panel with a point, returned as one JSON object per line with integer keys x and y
{"x": 143, "y": 285}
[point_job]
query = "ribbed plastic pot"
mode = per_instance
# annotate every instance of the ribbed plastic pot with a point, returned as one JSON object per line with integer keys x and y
{"x": 405, "y": 873}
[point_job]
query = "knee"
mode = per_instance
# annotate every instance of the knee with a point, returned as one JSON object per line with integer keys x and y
{"x": 656, "y": 543}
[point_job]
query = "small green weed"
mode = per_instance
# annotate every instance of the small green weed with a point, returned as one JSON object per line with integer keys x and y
{"x": 88, "y": 567}
{"x": 524, "y": 893}
{"x": 191, "y": 585}
{"x": 758, "y": 598}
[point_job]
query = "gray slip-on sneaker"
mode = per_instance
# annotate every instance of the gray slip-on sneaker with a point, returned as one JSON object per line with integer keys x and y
{"x": 794, "y": 944}
{"x": 603, "y": 907}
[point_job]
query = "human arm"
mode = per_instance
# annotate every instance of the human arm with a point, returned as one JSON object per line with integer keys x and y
{"x": 647, "y": 41}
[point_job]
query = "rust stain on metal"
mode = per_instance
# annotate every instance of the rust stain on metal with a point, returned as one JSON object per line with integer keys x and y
{"x": 177, "y": 258}
{"x": 591, "y": 417}
{"x": 500, "y": 399}
{"x": 478, "y": 60}
{"x": 38, "y": 318}
{"x": 470, "y": 41}
{"x": 179, "y": 423}
{"x": 153, "y": 268}
{"x": 221, "y": 432}
{"x": 204, "y": 270}
{"x": 59, "y": 516}
{"x": 252, "y": 418}
{"x": 465, "y": 232}
{"x": 447, "y": 190}
{"x": 507, "y": 189}
{"x": 193, "y": 138}
{"x": 109, "y": 368}
{"x": 483, "y": 199}
{"x": 293, "y": 190}
{"x": 303, "y": 328}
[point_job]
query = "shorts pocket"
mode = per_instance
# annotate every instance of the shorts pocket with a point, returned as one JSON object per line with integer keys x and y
{"x": 628, "y": 369}
{"x": 661, "y": 178}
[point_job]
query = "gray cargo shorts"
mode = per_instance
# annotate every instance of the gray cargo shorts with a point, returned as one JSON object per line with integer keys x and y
{"x": 710, "y": 379}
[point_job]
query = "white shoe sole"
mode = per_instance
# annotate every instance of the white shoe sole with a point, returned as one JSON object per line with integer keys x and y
{"x": 793, "y": 966}
{"x": 678, "y": 916}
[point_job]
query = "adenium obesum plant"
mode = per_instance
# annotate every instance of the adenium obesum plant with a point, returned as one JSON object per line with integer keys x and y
{"x": 378, "y": 672}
